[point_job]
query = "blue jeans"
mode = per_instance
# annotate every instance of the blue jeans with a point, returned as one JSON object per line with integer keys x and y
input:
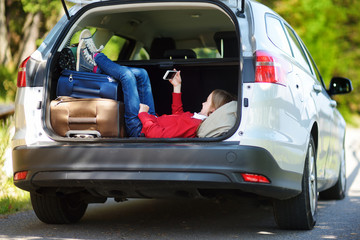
{"x": 136, "y": 88}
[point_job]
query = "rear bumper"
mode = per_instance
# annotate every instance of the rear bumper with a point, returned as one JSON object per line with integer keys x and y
{"x": 145, "y": 170}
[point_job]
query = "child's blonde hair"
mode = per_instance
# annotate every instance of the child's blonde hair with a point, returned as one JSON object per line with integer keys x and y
{"x": 221, "y": 97}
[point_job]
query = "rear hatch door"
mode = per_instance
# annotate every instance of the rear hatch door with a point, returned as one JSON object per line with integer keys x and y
{"x": 239, "y": 4}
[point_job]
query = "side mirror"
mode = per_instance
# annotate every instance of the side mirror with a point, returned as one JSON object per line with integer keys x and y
{"x": 339, "y": 85}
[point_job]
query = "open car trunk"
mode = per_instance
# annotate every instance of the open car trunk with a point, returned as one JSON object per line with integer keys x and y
{"x": 201, "y": 39}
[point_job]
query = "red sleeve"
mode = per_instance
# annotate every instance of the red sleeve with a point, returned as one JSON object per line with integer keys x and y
{"x": 176, "y": 106}
{"x": 151, "y": 127}
{"x": 166, "y": 128}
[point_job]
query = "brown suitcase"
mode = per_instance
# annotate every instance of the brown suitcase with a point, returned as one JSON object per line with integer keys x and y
{"x": 84, "y": 117}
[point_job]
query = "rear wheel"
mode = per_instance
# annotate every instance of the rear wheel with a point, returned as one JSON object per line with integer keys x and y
{"x": 54, "y": 209}
{"x": 337, "y": 192}
{"x": 300, "y": 212}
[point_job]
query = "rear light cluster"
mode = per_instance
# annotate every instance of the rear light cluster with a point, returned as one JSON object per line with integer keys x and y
{"x": 270, "y": 69}
{"x": 20, "y": 175}
{"x": 254, "y": 178}
{"x": 21, "y": 78}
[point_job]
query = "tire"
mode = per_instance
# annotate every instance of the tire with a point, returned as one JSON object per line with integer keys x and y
{"x": 337, "y": 192}
{"x": 54, "y": 209}
{"x": 300, "y": 212}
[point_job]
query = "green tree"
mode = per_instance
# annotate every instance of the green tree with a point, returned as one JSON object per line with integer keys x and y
{"x": 22, "y": 26}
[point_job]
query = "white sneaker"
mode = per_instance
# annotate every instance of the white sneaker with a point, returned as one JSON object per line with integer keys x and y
{"x": 86, "y": 51}
{"x": 89, "y": 43}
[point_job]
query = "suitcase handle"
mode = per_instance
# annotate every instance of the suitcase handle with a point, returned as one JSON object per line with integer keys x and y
{"x": 81, "y": 120}
{"x": 95, "y": 92}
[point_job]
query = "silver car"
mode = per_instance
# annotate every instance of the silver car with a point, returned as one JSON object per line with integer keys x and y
{"x": 286, "y": 142}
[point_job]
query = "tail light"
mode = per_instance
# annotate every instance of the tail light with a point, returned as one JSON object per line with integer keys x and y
{"x": 270, "y": 69}
{"x": 20, "y": 175}
{"x": 254, "y": 178}
{"x": 21, "y": 78}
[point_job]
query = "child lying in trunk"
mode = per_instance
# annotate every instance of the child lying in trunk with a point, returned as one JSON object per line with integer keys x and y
{"x": 140, "y": 117}
{"x": 180, "y": 123}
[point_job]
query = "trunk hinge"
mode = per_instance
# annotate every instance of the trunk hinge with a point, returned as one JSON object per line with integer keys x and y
{"x": 240, "y": 12}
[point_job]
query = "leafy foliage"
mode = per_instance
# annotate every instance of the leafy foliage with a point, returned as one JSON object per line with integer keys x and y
{"x": 47, "y": 7}
{"x": 7, "y": 84}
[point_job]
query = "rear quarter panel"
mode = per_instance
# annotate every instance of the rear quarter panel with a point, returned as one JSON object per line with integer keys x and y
{"x": 278, "y": 118}
{"x": 274, "y": 123}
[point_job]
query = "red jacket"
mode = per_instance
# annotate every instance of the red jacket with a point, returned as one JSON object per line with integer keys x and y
{"x": 178, "y": 125}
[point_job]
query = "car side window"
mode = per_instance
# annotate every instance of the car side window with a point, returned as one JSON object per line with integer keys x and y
{"x": 298, "y": 52}
{"x": 142, "y": 55}
{"x": 276, "y": 34}
{"x": 120, "y": 48}
{"x": 316, "y": 71}
{"x": 113, "y": 47}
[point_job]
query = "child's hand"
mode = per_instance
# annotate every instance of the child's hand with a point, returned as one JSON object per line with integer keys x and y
{"x": 176, "y": 82}
{"x": 143, "y": 108}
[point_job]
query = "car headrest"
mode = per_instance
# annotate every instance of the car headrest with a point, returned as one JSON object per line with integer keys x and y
{"x": 159, "y": 46}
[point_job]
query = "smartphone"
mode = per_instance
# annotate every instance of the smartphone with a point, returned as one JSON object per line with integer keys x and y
{"x": 170, "y": 74}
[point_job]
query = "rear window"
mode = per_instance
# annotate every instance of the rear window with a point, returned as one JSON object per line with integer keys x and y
{"x": 276, "y": 34}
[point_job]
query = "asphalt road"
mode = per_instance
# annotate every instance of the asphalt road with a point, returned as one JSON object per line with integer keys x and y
{"x": 245, "y": 218}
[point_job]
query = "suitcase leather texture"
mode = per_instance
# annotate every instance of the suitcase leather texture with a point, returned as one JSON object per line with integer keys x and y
{"x": 87, "y": 85}
{"x": 96, "y": 114}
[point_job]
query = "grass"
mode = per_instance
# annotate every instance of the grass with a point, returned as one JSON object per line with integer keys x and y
{"x": 12, "y": 199}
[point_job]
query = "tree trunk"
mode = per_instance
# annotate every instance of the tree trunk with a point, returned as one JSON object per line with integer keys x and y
{"x": 5, "y": 53}
{"x": 31, "y": 33}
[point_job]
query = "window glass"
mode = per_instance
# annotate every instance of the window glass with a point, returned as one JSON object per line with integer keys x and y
{"x": 227, "y": 45}
{"x": 75, "y": 37}
{"x": 298, "y": 52}
{"x": 113, "y": 47}
{"x": 317, "y": 73}
{"x": 276, "y": 34}
{"x": 142, "y": 55}
{"x": 206, "y": 53}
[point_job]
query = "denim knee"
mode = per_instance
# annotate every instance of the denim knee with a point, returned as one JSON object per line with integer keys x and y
{"x": 140, "y": 73}
{"x": 124, "y": 74}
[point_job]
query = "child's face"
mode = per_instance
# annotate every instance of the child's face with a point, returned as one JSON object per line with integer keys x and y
{"x": 207, "y": 109}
